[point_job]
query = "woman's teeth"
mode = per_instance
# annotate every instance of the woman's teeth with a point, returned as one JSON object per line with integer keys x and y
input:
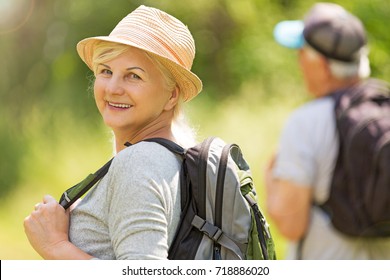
{"x": 118, "y": 105}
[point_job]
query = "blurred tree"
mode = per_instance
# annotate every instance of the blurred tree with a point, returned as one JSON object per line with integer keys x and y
{"x": 23, "y": 78}
{"x": 44, "y": 84}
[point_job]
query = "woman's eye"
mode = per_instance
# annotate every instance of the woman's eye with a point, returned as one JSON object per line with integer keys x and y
{"x": 134, "y": 76}
{"x": 106, "y": 72}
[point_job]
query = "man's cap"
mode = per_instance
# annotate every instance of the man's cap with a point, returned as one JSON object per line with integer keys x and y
{"x": 328, "y": 28}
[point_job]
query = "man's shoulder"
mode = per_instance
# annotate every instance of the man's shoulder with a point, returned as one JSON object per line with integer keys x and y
{"x": 317, "y": 113}
{"x": 323, "y": 103}
{"x": 314, "y": 108}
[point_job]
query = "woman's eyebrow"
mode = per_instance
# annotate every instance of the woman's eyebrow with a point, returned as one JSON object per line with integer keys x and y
{"x": 128, "y": 69}
{"x": 135, "y": 67}
{"x": 105, "y": 65}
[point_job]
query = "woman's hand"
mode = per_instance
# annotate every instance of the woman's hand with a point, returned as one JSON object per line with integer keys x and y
{"x": 47, "y": 227}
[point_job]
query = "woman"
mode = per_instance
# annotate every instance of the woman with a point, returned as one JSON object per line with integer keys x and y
{"x": 142, "y": 76}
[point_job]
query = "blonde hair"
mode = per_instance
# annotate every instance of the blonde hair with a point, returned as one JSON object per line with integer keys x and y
{"x": 183, "y": 133}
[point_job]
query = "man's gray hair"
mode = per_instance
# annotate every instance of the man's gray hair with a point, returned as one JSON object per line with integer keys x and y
{"x": 344, "y": 70}
{"x": 358, "y": 68}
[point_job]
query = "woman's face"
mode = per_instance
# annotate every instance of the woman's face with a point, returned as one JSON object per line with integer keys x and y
{"x": 131, "y": 93}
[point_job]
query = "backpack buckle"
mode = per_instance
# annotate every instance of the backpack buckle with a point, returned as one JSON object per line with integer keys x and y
{"x": 207, "y": 228}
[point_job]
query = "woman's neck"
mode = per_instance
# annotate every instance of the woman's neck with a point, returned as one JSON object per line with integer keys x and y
{"x": 122, "y": 138}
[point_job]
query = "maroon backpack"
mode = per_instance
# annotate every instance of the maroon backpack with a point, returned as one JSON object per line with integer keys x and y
{"x": 359, "y": 202}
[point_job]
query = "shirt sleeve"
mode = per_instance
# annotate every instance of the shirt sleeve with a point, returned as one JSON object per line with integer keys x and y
{"x": 308, "y": 147}
{"x": 294, "y": 160}
{"x": 140, "y": 202}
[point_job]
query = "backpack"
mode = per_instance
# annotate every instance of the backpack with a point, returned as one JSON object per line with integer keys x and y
{"x": 220, "y": 217}
{"x": 359, "y": 202}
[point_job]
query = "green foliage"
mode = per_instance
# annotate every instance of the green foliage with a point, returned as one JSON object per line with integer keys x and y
{"x": 51, "y": 134}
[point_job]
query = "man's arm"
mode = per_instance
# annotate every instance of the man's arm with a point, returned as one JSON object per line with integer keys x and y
{"x": 288, "y": 205}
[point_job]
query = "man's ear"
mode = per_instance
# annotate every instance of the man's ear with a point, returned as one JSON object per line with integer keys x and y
{"x": 173, "y": 100}
{"x": 325, "y": 78}
{"x": 324, "y": 64}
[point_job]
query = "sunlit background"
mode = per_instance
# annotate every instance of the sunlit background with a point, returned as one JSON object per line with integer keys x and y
{"x": 51, "y": 135}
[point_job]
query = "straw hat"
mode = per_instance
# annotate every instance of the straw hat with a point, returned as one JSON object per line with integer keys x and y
{"x": 161, "y": 35}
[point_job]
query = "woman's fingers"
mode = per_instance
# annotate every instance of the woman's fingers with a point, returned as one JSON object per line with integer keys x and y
{"x": 49, "y": 199}
{"x": 37, "y": 206}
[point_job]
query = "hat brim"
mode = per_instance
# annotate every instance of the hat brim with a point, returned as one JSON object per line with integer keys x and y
{"x": 290, "y": 34}
{"x": 189, "y": 83}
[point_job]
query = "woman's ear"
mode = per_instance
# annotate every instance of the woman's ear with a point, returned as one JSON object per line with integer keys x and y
{"x": 173, "y": 100}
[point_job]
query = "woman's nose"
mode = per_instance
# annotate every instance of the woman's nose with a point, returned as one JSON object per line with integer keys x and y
{"x": 114, "y": 86}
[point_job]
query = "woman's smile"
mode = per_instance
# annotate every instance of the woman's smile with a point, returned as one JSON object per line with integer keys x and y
{"x": 118, "y": 105}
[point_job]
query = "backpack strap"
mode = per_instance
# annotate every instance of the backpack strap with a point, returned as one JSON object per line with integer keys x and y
{"x": 220, "y": 184}
{"x": 263, "y": 232}
{"x": 219, "y": 196}
{"x": 216, "y": 234}
{"x": 78, "y": 190}
{"x": 202, "y": 171}
{"x": 372, "y": 89}
{"x": 170, "y": 145}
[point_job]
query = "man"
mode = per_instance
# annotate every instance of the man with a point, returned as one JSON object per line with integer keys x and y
{"x": 332, "y": 48}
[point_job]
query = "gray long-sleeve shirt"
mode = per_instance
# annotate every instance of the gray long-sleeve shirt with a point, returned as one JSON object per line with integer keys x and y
{"x": 134, "y": 210}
